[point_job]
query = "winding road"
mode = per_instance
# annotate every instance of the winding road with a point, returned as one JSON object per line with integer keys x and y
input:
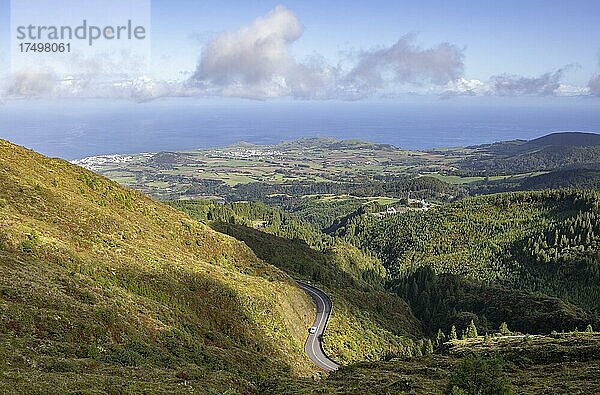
{"x": 313, "y": 347}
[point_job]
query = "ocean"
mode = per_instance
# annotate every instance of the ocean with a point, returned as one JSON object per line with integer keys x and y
{"x": 74, "y": 129}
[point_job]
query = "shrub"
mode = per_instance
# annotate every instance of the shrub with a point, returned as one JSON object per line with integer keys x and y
{"x": 63, "y": 366}
{"x": 472, "y": 330}
{"x": 183, "y": 375}
{"x": 453, "y": 333}
{"x": 440, "y": 338}
{"x": 27, "y": 245}
{"x": 479, "y": 376}
{"x": 428, "y": 348}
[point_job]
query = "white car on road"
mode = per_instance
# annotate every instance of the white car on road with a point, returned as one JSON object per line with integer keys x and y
{"x": 312, "y": 330}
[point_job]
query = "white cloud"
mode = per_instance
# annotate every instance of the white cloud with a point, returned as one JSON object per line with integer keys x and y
{"x": 547, "y": 84}
{"x": 404, "y": 62}
{"x": 465, "y": 87}
{"x": 143, "y": 89}
{"x": 513, "y": 85}
{"x": 594, "y": 85}
{"x": 139, "y": 89}
{"x": 255, "y": 61}
{"x": 572, "y": 90}
{"x": 29, "y": 84}
{"x": 254, "y": 54}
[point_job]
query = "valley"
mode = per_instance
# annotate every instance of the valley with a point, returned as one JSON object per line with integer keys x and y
{"x": 300, "y": 198}
{"x": 441, "y": 266}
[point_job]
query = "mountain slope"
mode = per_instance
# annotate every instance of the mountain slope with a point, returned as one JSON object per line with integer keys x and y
{"x": 565, "y": 139}
{"x": 100, "y": 283}
{"x": 367, "y": 322}
{"x": 551, "y": 152}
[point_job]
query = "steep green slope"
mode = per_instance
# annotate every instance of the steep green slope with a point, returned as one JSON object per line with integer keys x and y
{"x": 367, "y": 322}
{"x": 319, "y": 257}
{"x": 257, "y": 215}
{"x": 104, "y": 289}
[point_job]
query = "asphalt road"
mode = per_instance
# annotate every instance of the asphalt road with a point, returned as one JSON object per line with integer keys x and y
{"x": 313, "y": 347}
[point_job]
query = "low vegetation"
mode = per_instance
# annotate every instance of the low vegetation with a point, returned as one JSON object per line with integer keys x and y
{"x": 367, "y": 323}
{"x": 105, "y": 289}
{"x": 552, "y": 364}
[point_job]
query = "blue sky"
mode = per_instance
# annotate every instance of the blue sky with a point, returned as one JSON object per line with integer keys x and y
{"x": 523, "y": 38}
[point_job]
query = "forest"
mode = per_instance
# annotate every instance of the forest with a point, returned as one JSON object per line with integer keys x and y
{"x": 500, "y": 252}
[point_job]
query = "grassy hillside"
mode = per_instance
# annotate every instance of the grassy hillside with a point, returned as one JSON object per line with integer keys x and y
{"x": 107, "y": 290}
